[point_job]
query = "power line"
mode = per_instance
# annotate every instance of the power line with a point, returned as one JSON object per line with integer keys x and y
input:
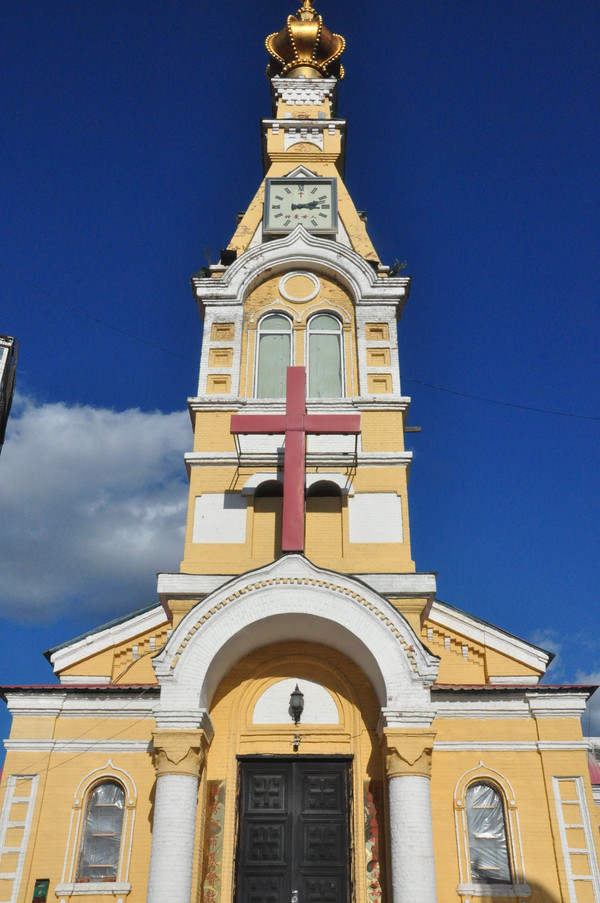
{"x": 84, "y": 313}
{"x": 183, "y": 357}
{"x": 506, "y": 404}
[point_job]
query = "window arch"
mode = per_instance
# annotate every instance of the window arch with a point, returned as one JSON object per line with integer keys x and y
{"x": 100, "y": 846}
{"x": 325, "y": 371}
{"x": 274, "y": 355}
{"x": 490, "y": 852}
{"x": 487, "y": 836}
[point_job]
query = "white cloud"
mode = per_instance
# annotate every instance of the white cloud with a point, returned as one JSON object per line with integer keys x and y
{"x": 92, "y": 505}
{"x": 550, "y": 641}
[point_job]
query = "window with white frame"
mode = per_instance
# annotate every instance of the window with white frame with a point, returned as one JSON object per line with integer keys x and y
{"x": 101, "y": 834}
{"x": 274, "y": 351}
{"x": 486, "y": 825}
{"x": 325, "y": 372}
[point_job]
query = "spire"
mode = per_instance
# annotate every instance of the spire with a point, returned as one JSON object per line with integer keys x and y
{"x": 305, "y": 48}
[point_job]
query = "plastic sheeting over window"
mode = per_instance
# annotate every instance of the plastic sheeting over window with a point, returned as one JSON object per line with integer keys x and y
{"x": 101, "y": 838}
{"x": 487, "y": 835}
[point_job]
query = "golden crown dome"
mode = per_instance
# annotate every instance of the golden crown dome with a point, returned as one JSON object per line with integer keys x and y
{"x": 305, "y": 48}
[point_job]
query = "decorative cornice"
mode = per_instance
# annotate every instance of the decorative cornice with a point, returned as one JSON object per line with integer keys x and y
{"x": 301, "y": 248}
{"x": 313, "y": 459}
{"x": 303, "y": 92}
{"x": 171, "y": 586}
{"x": 488, "y": 635}
{"x": 92, "y": 644}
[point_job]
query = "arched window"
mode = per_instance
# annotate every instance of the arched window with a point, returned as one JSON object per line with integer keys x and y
{"x": 101, "y": 834}
{"x": 486, "y": 825}
{"x": 325, "y": 377}
{"x": 274, "y": 355}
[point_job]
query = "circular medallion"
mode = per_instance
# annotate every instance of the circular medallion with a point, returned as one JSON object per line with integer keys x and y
{"x": 299, "y": 286}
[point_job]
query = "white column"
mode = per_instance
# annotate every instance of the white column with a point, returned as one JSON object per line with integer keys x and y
{"x": 173, "y": 832}
{"x": 411, "y": 840}
{"x": 408, "y": 769}
{"x": 179, "y": 755}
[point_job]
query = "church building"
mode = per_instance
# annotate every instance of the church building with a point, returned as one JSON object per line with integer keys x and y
{"x": 298, "y": 719}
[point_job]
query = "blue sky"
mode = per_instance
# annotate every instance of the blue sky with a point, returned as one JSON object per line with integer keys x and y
{"x": 130, "y": 142}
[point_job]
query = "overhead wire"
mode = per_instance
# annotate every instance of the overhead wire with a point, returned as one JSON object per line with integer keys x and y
{"x": 419, "y": 382}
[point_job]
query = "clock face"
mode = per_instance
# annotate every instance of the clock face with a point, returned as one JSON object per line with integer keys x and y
{"x": 311, "y": 203}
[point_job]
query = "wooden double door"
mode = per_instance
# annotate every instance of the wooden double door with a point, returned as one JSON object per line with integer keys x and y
{"x": 293, "y": 844}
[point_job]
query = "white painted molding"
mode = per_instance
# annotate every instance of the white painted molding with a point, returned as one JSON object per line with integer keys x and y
{"x": 27, "y": 703}
{"x": 93, "y": 888}
{"x": 300, "y": 248}
{"x": 469, "y": 889}
{"x": 292, "y": 597}
{"x": 171, "y": 586}
{"x": 316, "y": 286}
{"x": 78, "y": 679}
{"x": 524, "y": 680}
{"x": 94, "y": 643}
{"x": 303, "y": 92}
{"x": 558, "y": 705}
{"x": 254, "y": 453}
{"x": 456, "y": 706}
{"x": 508, "y": 745}
{"x": 354, "y": 403}
{"x": 110, "y": 747}
{"x": 488, "y": 635}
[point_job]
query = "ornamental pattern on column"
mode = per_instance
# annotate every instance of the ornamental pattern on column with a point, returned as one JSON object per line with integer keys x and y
{"x": 179, "y": 752}
{"x": 408, "y": 752}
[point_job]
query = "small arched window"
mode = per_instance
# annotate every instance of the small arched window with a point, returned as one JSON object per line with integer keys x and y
{"x": 325, "y": 376}
{"x": 101, "y": 835}
{"x": 274, "y": 355}
{"x": 486, "y": 824}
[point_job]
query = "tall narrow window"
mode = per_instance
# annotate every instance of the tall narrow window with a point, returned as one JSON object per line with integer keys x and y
{"x": 488, "y": 852}
{"x": 325, "y": 379}
{"x": 101, "y": 834}
{"x": 274, "y": 356}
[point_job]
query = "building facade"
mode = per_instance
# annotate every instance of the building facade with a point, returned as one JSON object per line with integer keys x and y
{"x": 299, "y": 719}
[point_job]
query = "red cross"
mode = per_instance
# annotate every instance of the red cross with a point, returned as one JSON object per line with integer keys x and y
{"x": 295, "y": 424}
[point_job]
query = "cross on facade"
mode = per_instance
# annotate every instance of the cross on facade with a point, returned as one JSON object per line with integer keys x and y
{"x": 295, "y": 424}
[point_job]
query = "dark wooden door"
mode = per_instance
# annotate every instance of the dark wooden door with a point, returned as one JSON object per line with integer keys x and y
{"x": 293, "y": 843}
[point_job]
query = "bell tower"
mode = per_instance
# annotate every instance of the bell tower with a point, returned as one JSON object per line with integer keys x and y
{"x": 309, "y": 460}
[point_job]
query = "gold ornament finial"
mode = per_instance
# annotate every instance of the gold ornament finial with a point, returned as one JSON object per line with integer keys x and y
{"x": 305, "y": 48}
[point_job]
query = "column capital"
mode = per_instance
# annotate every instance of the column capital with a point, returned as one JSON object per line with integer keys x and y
{"x": 408, "y": 752}
{"x": 179, "y": 751}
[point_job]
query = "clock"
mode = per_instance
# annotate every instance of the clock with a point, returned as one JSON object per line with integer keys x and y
{"x": 311, "y": 203}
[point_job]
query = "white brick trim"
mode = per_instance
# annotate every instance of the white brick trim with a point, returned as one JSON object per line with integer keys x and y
{"x": 292, "y": 598}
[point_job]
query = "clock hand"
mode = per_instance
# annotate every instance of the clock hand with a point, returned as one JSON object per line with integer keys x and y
{"x": 311, "y": 205}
